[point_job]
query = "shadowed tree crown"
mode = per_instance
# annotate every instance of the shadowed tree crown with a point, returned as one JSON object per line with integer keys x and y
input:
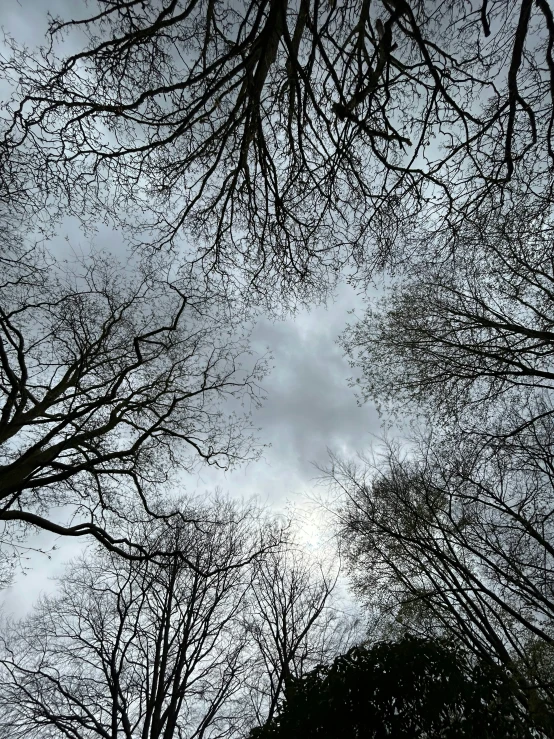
{"x": 284, "y": 140}
{"x": 411, "y": 688}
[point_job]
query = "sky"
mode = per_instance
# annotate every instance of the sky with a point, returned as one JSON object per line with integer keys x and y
{"x": 309, "y": 407}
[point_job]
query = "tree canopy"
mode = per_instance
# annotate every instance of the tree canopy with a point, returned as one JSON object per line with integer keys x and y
{"x": 255, "y": 153}
{"x": 112, "y": 380}
{"x": 410, "y": 688}
{"x": 173, "y": 646}
{"x": 282, "y": 142}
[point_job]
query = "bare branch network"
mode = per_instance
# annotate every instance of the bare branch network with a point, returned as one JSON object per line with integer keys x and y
{"x": 283, "y": 141}
{"x": 160, "y": 649}
{"x": 112, "y": 381}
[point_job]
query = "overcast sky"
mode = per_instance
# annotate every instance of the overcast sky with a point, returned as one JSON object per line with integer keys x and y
{"x": 309, "y": 405}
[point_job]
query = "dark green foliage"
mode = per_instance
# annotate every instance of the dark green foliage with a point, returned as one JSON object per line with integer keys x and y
{"x": 411, "y": 688}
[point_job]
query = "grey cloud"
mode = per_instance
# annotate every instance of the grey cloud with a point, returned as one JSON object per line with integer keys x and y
{"x": 309, "y": 406}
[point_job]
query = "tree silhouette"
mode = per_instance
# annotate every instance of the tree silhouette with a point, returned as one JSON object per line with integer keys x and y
{"x": 158, "y": 647}
{"x": 411, "y": 688}
{"x": 281, "y": 141}
{"x": 467, "y": 340}
{"x": 455, "y": 543}
{"x": 111, "y": 380}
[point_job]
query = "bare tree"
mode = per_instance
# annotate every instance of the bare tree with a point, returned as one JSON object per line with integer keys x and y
{"x": 111, "y": 379}
{"x": 200, "y": 643}
{"x": 458, "y": 541}
{"x": 287, "y": 139}
{"x": 140, "y": 648}
{"x": 456, "y": 537}
{"x": 469, "y": 339}
{"x": 294, "y": 624}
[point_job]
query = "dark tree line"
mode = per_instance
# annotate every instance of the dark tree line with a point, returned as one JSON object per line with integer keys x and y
{"x": 410, "y": 688}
